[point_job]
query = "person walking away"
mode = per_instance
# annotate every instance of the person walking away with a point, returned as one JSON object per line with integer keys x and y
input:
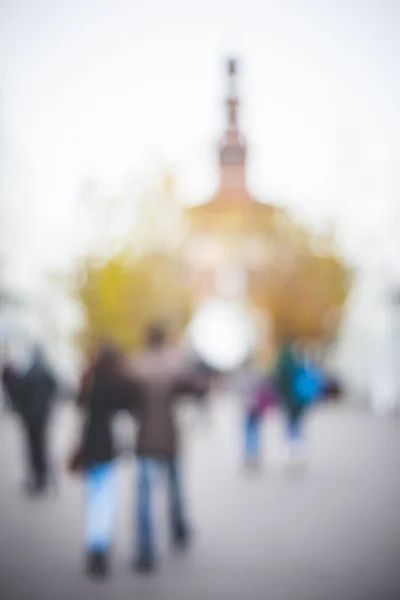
{"x": 258, "y": 395}
{"x": 105, "y": 390}
{"x": 208, "y": 374}
{"x": 163, "y": 378}
{"x": 299, "y": 383}
{"x": 247, "y": 382}
{"x": 32, "y": 393}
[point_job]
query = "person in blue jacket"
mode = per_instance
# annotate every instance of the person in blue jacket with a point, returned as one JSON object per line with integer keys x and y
{"x": 299, "y": 383}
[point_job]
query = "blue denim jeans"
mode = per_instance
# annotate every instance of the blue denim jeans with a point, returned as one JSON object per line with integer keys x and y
{"x": 145, "y": 523}
{"x": 251, "y": 437}
{"x": 100, "y": 483}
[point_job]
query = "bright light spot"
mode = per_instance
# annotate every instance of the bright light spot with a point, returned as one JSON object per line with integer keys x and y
{"x": 223, "y": 334}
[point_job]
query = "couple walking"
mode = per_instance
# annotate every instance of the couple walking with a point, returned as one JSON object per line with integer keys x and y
{"x": 147, "y": 386}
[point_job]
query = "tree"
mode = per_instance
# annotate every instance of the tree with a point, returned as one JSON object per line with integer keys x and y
{"x": 124, "y": 292}
{"x": 301, "y": 287}
{"x": 123, "y": 295}
{"x": 304, "y": 289}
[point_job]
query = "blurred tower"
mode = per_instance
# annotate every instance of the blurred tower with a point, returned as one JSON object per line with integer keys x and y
{"x": 232, "y": 152}
{"x": 226, "y": 250}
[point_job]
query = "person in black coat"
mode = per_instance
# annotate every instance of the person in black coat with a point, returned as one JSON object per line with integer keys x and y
{"x": 106, "y": 389}
{"x": 31, "y": 395}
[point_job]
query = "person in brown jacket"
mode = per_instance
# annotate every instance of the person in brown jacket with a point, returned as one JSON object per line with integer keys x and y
{"x": 163, "y": 378}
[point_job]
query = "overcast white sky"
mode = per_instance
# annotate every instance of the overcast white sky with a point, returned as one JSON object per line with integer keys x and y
{"x": 109, "y": 87}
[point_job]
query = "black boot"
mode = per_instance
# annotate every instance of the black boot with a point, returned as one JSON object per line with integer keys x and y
{"x": 97, "y": 563}
{"x": 34, "y": 488}
{"x": 145, "y": 565}
{"x": 181, "y": 537}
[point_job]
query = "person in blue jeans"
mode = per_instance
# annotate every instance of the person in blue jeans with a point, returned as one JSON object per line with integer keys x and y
{"x": 179, "y": 529}
{"x": 247, "y": 381}
{"x": 163, "y": 379}
{"x": 100, "y": 491}
{"x": 105, "y": 389}
{"x": 252, "y": 439}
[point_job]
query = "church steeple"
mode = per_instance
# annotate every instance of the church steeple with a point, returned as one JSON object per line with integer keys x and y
{"x": 232, "y": 152}
{"x": 232, "y": 99}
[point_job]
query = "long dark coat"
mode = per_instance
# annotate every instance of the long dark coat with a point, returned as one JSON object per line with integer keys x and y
{"x": 101, "y": 396}
{"x": 31, "y": 394}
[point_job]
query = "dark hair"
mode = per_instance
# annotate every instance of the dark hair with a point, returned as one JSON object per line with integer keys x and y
{"x": 107, "y": 359}
{"x": 156, "y": 335}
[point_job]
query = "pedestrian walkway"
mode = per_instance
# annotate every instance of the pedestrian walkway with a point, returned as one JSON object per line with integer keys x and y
{"x": 329, "y": 533}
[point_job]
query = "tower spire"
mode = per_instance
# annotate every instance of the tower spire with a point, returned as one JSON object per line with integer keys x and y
{"x": 232, "y": 153}
{"x": 232, "y": 99}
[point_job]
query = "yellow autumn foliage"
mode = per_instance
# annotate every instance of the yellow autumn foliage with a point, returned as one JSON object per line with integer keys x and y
{"x": 304, "y": 297}
{"x": 123, "y": 296}
{"x": 141, "y": 284}
{"x": 301, "y": 290}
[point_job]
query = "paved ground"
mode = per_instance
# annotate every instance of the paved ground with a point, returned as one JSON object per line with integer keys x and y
{"x": 332, "y": 533}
